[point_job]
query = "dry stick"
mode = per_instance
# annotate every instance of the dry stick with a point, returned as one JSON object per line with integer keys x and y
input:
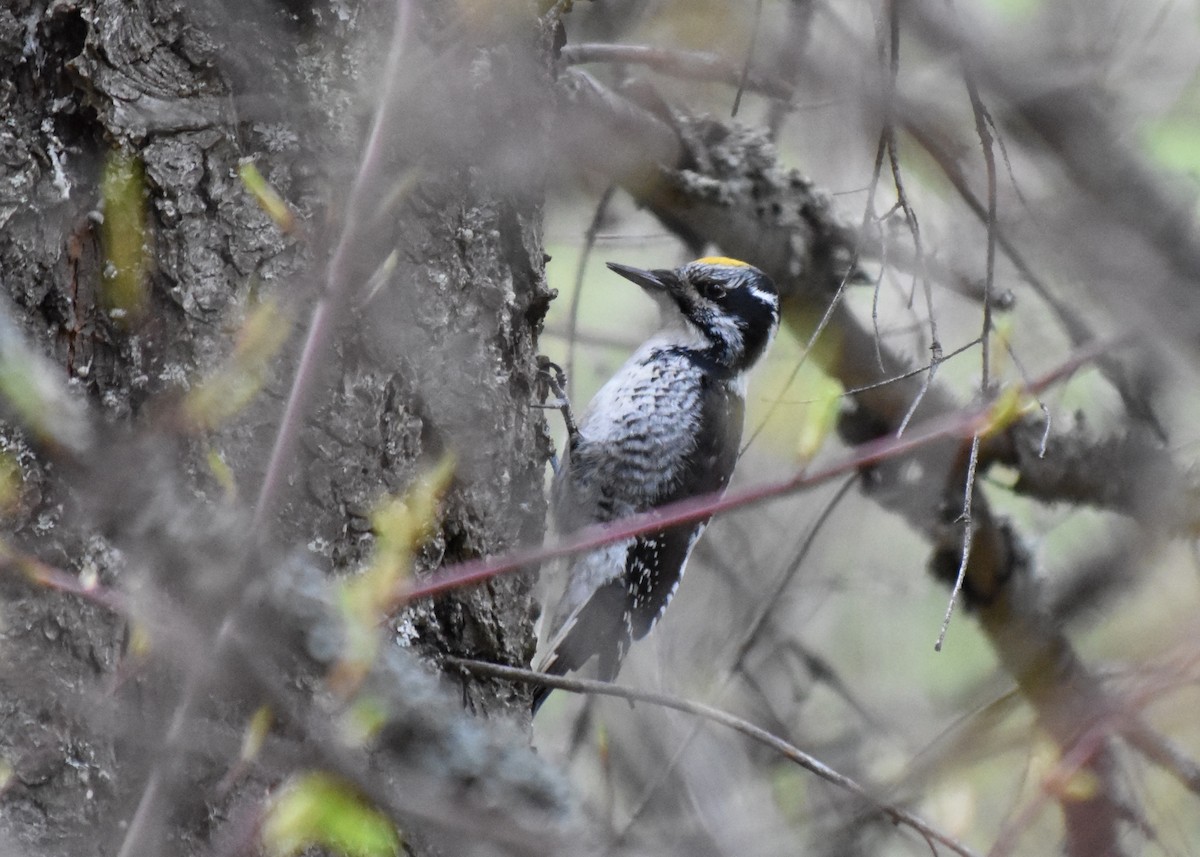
{"x": 862, "y": 388}
{"x": 868, "y": 212}
{"x": 788, "y": 751}
{"x": 332, "y": 302}
{"x": 968, "y": 534}
{"x": 589, "y": 242}
{"x": 694, "y": 65}
{"x": 767, "y": 606}
{"x": 957, "y": 424}
{"x": 989, "y": 158}
{"x": 829, "y": 310}
{"x": 737, "y": 98}
{"x": 889, "y": 91}
{"x": 1076, "y": 329}
{"x": 910, "y": 216}
{"x": 1081, "y": 832}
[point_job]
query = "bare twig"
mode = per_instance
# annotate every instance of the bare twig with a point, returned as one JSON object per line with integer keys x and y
{"x": 589, "y": 241}
{"x": 968, "y": 534}
{"x": 766, "y": 606}
{"x": 695, "y": 65}
{"x": 333, "y": 303}
{"x": 737, "y": 99}
{"x": 888, "y": 136}
{"x": 723, "y": 718}
{"x": 956, "y": 425}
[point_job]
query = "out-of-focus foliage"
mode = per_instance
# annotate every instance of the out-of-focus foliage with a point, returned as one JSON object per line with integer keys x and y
{"x": 321, "y": 810}
{"x": 234, "y": 385}
{"x": 126, "y": 262}
{"x": 400, "y": 525}
{"x": 267, "y": 197}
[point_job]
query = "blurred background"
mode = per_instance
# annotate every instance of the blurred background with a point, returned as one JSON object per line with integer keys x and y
{"x": 816, "y": 616}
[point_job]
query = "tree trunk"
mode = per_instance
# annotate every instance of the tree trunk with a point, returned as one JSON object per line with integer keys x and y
{"x": 434, "y": 354}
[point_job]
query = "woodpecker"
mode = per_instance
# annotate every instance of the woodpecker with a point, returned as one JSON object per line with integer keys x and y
{"x": 665, "y": 428}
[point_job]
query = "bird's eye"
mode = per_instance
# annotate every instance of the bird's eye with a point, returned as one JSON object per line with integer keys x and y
{"x": 712, "y": 291}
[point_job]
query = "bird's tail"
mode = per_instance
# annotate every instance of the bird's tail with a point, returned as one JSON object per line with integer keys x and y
{"x": 576, "y": 647}
{"x": 552, "y": 665}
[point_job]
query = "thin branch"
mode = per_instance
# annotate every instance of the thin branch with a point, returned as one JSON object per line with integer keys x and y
{"x": 781, "y": 586}
{"x": 910, "y": 216}
{"x": 890, "y": 57}
{"x": 693, "y": 65}
{"x": 960, "y": 424}
{"x": 789, "y": 751}
{"x": 766, "y": 606}
{"x": 737, "y": 99}
{"x": 982, "y": 130}
{"x": 1165, "y": 753}
{"x": 985, "y": 335}
{"x": 1077, "y": 330}
{"x": 589, "y": 242}
{"x": 41, "y": 573}
{"x": 968, "y": 534}
{"x": 867, "y": 218}
{"x": 332, "y": 302}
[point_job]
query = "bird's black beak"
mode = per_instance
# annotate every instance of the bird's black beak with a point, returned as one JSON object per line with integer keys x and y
{"x": 651, "y": 281}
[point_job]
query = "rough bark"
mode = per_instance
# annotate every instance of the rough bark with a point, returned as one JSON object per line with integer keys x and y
{"x": 438, "y": 359}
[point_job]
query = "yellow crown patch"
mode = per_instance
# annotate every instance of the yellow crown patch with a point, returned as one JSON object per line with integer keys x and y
{"x": 723, "y": 260}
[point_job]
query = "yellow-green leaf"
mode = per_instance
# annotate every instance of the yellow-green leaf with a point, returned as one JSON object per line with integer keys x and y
{"x": 256, "y": 733}
{"x": 818, "y": 420}
{"x": 32, "y": 391}
{"x": 401, "y": 524}
{"x": 1009, "y": 406}
{"x": 235, "y": 384}
{"x": 123, "y": 279}
{"x": 267, "y": 197}
{"x": 321, "y": 810}
{"x": 10, "y": 483}
{"x": 363, "y": 720}
{"x": 223, "y": 473}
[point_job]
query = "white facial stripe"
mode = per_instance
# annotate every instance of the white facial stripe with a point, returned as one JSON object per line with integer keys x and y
{"x": 767, "y": 298}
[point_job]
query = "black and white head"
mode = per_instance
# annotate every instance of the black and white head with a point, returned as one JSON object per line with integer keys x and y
{"x": 730, "y": 308}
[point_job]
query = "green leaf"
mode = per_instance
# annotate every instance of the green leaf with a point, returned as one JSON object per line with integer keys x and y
{"x": 235, "y": 384}
{"x": 267, "y": 197}
{"x": 401, "y": 524}
{"x": 322, "y": 810}
{"x": 11, "y": 483}
{"x": 123, "y": 281}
